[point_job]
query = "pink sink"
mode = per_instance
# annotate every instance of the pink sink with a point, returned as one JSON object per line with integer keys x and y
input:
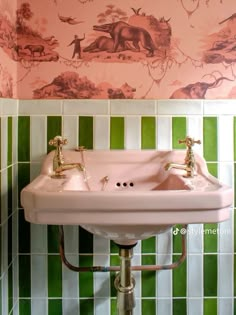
{"x": 126, "y": 195}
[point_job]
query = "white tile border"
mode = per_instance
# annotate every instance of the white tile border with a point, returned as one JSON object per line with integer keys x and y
{"x": 179, "y": 107}
{"x": 219, "y": 107}
{"x": 132, "y": 107}
{"x": 85, "y": 107}
{"x": 8, "y": 107}
{"x": 40, "y": 107}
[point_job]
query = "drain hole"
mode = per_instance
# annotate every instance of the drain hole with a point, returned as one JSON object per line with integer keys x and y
{"x": 131, "y": 184}
{"x": 124, "y": 184}
{"x": 118, "y": 184}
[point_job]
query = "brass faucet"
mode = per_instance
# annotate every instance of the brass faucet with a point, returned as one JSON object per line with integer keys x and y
{"x": 59, "y": 165}
{"x": 189, "y": 161}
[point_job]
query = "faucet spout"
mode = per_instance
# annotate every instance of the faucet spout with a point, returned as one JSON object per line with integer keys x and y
{"x": 64, "y": 167}
{"x": 169, "y": 166}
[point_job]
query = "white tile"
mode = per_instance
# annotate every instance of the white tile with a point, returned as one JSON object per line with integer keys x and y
{"x": 4, "y": 302}
{"x": 38, "y": 238}
{"x": 35, "y": 168}
{"x": 132, "y": 132}
{"x": 101, "y": 306}
{"x": 195, "y": 306}
{"x": 226, "y": 173}
{"x": 225, "y": 276}
{"x": 85, "y": 107}
{"x": 137, "y": 261}
{"x": 4, "y": 139}
{"x": 194, "y": 276}
{"x": 38, "y": 135}
{"x": 195, "y": 130}
{"x": 15, "y": 187}
{"x": 225, "y": 138}
{"x": 225, "y": 236}
{"x": 101, "y": 245}
{"x": 71, "y": 235}
{"x": 179, "y": 107}
{"x": 70, "y": 285}
{"x": 40, "y": 107}
{"x": 164, "y": 133}
{"x": 16, "y": 309}
{"x": 195, "y": 238}
{"x": 70, "y": 131}
{"x": 101, "y": 280}
{"x": 70, "y": 307}
{"x": 9, "y": 106}
{"x": 39, "y": 306}
{"x": 39, "y": 276}
{"x": 132, "y": 107}
{"x": 164, "y": 306}
{"x": 164, "y": 278}
{"x": 101, "y": 132}
{"x": 164, "y": 243}
{"x": 225, "y": 306}
{"x": 219, "y": 107}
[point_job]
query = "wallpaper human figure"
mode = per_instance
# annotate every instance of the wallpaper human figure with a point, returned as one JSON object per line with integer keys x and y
{"x": 148, "y": 51}
{"x": 77, "y": 46}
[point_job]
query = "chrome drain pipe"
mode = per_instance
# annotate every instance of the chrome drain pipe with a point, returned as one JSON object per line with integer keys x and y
{"x": 125, "y": 283}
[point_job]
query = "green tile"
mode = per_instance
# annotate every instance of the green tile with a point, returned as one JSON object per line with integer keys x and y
{"x": 179, "y": 279}
{"x": 53, "y": 239}
{"x": 148, "y": 277}
{"x": 86, "y": 307}
{"x": 113, "y": 248}
{"x": 86, "y": 132}
{"x": 0, "y": 197}
{"x": 149, "y": 307}
{"x": 235, "y": 189}
{"x": 210, "y": 275}
{"x": 54, "y": 129}
{"x": 210, "y": 138}
{"x": 213, "y": 168}
{"x": 113, "y": 307}
{"x": 210, "y": 306}
{"x": 25, "y": 307}
{"x": 10, "y": 289}
{"x": 85, "y": 241}
{"x": 24, "y": 233}
{"x": 179, "y": 132}
{"x": 24, "y": 138}
{"x": 148, "y": 133}
{"x": 23, "y": 177}
{"x": 149, "y": 245}
{"x": 86, "y": 277}
{"x": 24, "y": 276}
{"x": 210, "y": 237}
{"x": 9, "y": 190}
{"x": 9, "y": 141}
{"x": 9, "y": 240}
{"x": 54, "y": 276}
{"x": 55, "y": 307}
{"x": 180, "y": 307}
{"x": 114, "y": 261}
{"x": 117, "y": 133}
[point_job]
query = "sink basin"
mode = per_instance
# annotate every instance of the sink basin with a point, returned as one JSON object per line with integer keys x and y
{"x": 125, "y": 195}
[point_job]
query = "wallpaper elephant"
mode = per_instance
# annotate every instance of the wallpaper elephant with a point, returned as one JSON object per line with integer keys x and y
{"x": 128, "y": 49}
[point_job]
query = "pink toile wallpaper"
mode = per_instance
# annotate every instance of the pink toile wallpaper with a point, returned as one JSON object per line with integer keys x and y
{"x": 101, "y": 49}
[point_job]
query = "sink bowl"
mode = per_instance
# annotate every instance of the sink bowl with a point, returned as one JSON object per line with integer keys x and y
{"x": 125, "y": 195}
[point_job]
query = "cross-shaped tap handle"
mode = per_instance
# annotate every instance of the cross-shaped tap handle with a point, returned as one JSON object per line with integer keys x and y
{"x": 58, "y": 141}
{"x": 189, "y": 142}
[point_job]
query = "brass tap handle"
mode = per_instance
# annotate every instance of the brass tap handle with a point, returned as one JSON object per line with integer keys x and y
{"x": 58, "y": 141}
{"x": 189, "y": 142}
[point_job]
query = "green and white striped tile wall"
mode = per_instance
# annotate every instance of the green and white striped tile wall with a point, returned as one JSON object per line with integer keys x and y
{"x": 8, "y": 207}
{"x": 204, "y": 284}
